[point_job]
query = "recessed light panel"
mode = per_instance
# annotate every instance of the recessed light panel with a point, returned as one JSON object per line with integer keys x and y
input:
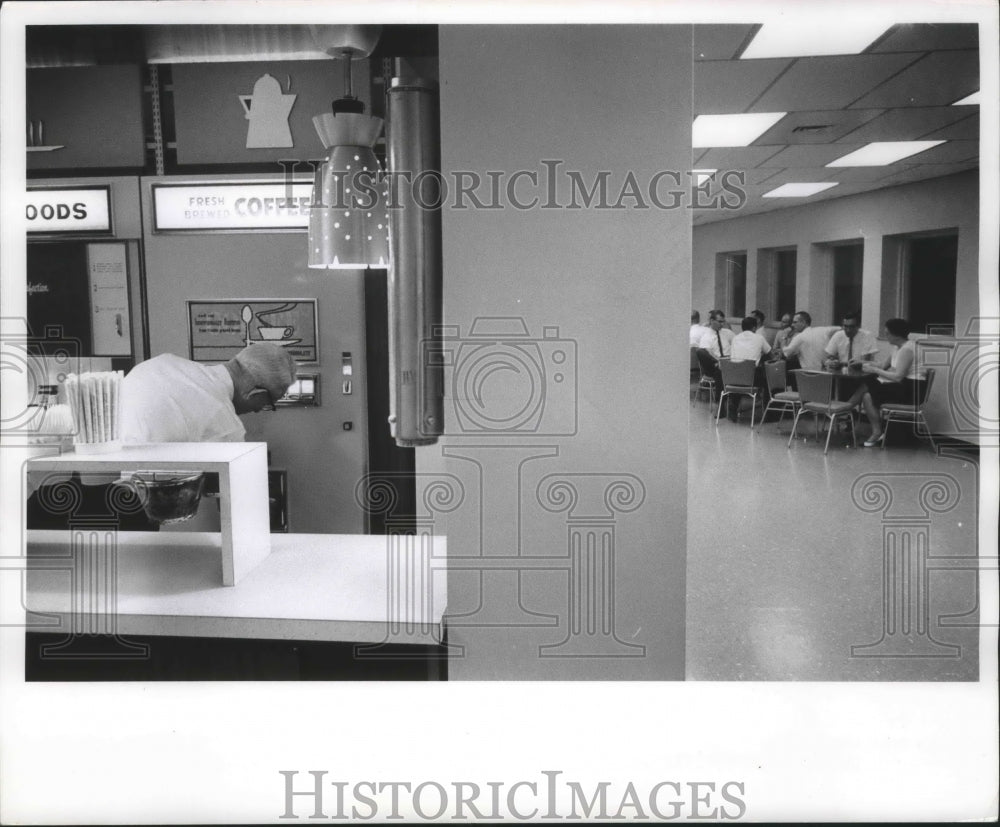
{"x": 798, "y": 39}
{"x": 732, "y": 130}
{"x": 971, "y": 100}
{"x": 802, "y": 190}
{"x": 881, "y": 153}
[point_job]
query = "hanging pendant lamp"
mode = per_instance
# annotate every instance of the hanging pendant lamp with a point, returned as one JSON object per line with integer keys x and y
{"x": 348, "y": 221}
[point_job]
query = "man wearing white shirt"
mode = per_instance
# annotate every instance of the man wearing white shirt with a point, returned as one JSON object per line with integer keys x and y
{"x": 718, "y": 339}
{"x": 749, "y": 346}
{"x": 808, "y": 344}
{"x": 851, "y": 345}
{"x": 697, "y": 329}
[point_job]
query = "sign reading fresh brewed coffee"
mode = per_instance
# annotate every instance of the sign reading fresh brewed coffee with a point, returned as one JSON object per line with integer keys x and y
{"x": 252, "y": 206}
{"x": 69, "y": 210}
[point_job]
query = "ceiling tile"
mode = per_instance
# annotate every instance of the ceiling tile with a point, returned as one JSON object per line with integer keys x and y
{"x": 808, "y": 155}
{"x": 720, "y": 42}
{"x": 794, "y": 128}
{"x": 830, "y": 82}
{"x": 855, "y": 175}
{"x": 908, "y": 124}
{"x": 724, "y": 87}
{"x": 743, "y": 157}
{"x": 939, "y": 79}
{"x": 760, "y": 175}
{"x": 963, "y": 130}
{"x": 921, "y": 172}
{"x": 925, "y": 37}
{"x": 798, "y": 175}
{"x": 952, "y": 152}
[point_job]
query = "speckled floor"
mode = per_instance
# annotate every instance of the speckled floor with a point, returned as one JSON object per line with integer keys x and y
{"x": 787, "y": 550}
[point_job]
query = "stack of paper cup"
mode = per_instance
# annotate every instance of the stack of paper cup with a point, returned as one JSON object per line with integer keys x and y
{"x": 95, "y": 402}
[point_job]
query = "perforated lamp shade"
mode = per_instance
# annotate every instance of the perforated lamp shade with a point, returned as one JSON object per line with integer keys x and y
{"x": 348, "y": 221}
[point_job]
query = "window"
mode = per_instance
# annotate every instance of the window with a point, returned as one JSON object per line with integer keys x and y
{"x": 848, "y": 260}
{"x": 736, "y": 284}
{"x": 931, "y": 264}
{"x": 785, "y": 263}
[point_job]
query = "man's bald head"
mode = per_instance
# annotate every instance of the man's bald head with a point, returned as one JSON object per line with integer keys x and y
{"x": 261, "y": 365}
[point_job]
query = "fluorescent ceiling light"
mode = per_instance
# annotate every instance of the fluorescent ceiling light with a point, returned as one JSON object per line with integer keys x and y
{"x": 798, "y": 190}
{"x": 732, "y": 130}
{"x": 974, "y": 98}
{"x": 702, "y": 175}
{"x": 814, "y": 37}
{"x": 880, "y": 153}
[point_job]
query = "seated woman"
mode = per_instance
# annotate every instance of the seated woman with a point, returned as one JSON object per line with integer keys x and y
{"x": 898, "y": 381}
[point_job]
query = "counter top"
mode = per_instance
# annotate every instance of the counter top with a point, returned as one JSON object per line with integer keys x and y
{"x": 334, "y": 587}
{"x": 168, "y": 455}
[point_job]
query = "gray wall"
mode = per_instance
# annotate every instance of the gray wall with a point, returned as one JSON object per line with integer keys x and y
{"x": 616, "y": 284}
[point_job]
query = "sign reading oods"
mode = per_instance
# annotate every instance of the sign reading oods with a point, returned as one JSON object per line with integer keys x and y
{"x": 233, "y": 207}
{"x": 85, "y": 210}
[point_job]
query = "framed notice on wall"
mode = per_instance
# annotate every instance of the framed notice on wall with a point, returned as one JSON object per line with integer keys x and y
{"x": 107, "y": 274}
{"x": 219, "y": 329}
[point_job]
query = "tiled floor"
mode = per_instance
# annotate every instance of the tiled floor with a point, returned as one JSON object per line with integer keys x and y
{"x": 786, "y": 557}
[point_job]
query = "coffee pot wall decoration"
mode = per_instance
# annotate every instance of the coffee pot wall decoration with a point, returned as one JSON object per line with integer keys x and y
{"x": 267, "y": 110}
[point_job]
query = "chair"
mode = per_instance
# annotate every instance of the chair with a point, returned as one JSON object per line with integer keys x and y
{"x": 777, "y": 386}
{"x": 695, "y": 372}
{"x": 913, "y": 414}
{"x": 706, "y": 365}
{"x": 737, "y": 380}
{"x": 816, "y": 396}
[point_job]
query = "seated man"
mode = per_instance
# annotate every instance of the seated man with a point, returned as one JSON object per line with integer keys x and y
{"x": 749, "y": 345}
{"x": 850, "y": 346}
{"x": 697, "y": 329}
{"x": 718, "y": 338}
{"x": 808, "y": 345}
{"x": 782, "y": 337}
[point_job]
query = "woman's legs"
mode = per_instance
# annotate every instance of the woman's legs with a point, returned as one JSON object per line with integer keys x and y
{"x": 862, "y": 396}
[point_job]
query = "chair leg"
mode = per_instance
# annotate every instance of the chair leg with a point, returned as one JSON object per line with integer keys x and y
{"x": 930, "y": 436}
{"x": 795, "y": 425}
{"x": 885, "y": 430}
{"x": 854, "y": 438}
{"x": 763, "y": 416}
{"x": 753, "y": 408}
{"x": 829, "y": 433}
{"x": 718, "y": 413}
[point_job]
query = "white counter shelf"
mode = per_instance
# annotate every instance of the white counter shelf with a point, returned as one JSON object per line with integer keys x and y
{"x": 242, "y": 468}
{"x": 329, "y": 587}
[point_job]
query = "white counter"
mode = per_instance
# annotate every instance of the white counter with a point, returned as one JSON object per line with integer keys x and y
{"x": 242, "y": 470}
{"x": 332, "y": 587}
